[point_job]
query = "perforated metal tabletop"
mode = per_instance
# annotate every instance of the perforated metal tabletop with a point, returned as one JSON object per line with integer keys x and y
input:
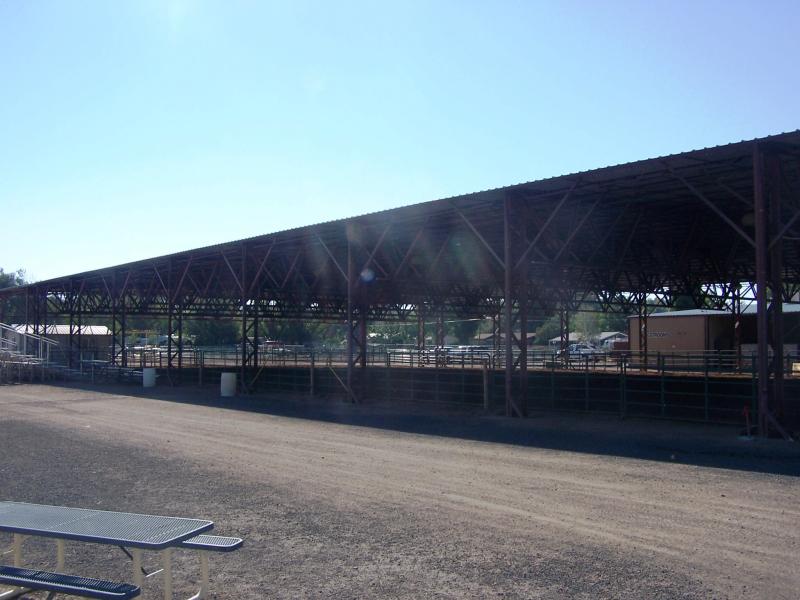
{"x": 99, "y": 526}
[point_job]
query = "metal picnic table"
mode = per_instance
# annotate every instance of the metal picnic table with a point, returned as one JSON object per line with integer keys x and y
{"x": 127, "y": 530}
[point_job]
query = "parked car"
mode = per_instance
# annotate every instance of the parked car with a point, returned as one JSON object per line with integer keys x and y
{"x": 580, "y": 350}
{"x": 469, "y": 354}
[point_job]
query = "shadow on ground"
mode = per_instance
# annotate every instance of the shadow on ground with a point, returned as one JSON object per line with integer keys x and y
{"x": 701, "y": 445}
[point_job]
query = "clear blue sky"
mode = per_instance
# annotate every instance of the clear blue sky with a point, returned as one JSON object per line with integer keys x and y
{"x": 134, "y": 129}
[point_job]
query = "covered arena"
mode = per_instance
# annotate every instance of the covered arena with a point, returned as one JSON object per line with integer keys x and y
{"x": 719, "y": 225}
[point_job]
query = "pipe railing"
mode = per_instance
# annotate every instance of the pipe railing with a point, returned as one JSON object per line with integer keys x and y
{"x": 694, "y": 362}
{"x": 26, "y": 342}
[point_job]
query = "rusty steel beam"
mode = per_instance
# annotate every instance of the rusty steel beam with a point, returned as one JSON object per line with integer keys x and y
{"x": 762, "y": 273}
{"x": 775, "y": 252}
{"x": 512, "y": 408}
{"x": 713, "y": 207}
{"x": 544, "y": 227}
{"x": 480, "y": 237}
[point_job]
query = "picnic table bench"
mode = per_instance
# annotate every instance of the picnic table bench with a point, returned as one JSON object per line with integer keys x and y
{"x": 58, "y": 583}
{"x": 132, "y": 532}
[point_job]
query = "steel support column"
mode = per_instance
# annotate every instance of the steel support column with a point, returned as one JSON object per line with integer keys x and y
{"x": 523, "y": 345}
{"x": 119, "y": 355}
{"x": 736, "y": 310}
{"x": 356, "y": 327}
{"x": 769, "y": 289}
{"x": 174, "y": 343}
{"x": 564, "y": 332}
{"x": 773, "y": 173}
{"x": 507, "y": 309}
{"x": 249, "y": 312}
{"x": 350, "y": 312}
{"x": 496, "y": 332}
{"x": 441, "y": 355}
{"x": 37, "y": 323}
{"x": 641, "y": 307}
{"x": 43, "y": 349}
{"x": 251, "y": 338}
{"x": 362, "y": 339}
{"x": 420, "y": 334}
{"x": 75, "y": 329}
{"x": 512, "y": 406}
{"x": 762, "y": 271}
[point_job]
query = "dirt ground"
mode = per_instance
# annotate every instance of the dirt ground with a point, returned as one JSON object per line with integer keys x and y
{"x": 342, "y": 501}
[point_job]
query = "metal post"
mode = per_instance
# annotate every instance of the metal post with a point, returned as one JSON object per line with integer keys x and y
{"x": 311, "y": 376}
{"x": 420, "y": 335}
{"x": 773, "y": 171}
{"x": 255, "y": 361}
{"x": 170, "y": 310}
{"x": 564, "y": 333}
{"x": 705, "y": 386}
{"x": 350, "y": 332}
{"x": 243, "y": 307}
{"x": 586, "y": 389}
{"x": 662, "y": 397}
{"x": 180, "y": 341}
{"x": 114, "y": 321}
{"x": 123, "y": 332}
{"x": 204, "y": 575}
{"x": 71, "y": 334}
{"x": 28, "y": 295}
{"x": 18, "y": 539}
{"x": 138, "y": 576}
{"x": 43, "y": 348}
{"x": 760, "y": 208}
{"x": 485, "y": 386}
{"x": 80, "y": 327}
{"x": 36, "y": 323}
{"x": 166, "y": 556}
{"x": 362, "y": 337}
{"x": 507, "y": 305}
{"x": 60, "y": 555}
{"x": 243, "y": 350}
{"x": 523, "y": 349}
{"x": 495, "y": 335}
{"x": 441, "y": 357}
{"x": 75, "y": 328}
{"x": 736, "y": 307}
{"x": 642, "y": 306}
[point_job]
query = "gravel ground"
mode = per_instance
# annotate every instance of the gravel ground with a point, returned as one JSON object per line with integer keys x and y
{"x": 347, "y": 501}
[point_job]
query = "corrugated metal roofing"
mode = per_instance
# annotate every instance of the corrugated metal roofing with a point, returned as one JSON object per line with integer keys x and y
{"x": 608, "y": 334}
{"x": 623, "y": 170}
{"x": 692, "y": 312}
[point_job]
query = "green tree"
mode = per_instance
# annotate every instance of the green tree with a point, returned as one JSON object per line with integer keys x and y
{"x": 463, "y": 331}
{"x": 614, "y": 322}
{"x": 12, "y": 309}
{"x": 12, "y": 279}
{"x": 550, "y": 328}
{"x": 586, "y": 324}
{"x": 394, "y": 332}
{"x": 213, "y": 332}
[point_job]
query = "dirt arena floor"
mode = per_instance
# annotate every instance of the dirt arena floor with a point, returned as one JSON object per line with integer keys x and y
{"x": 373, "y": 501}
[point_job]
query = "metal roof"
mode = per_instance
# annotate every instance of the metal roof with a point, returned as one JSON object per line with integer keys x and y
{"x": 608, "y": 334}
{"x": 645, "y": 226}
{"x": 707, "y": 312}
